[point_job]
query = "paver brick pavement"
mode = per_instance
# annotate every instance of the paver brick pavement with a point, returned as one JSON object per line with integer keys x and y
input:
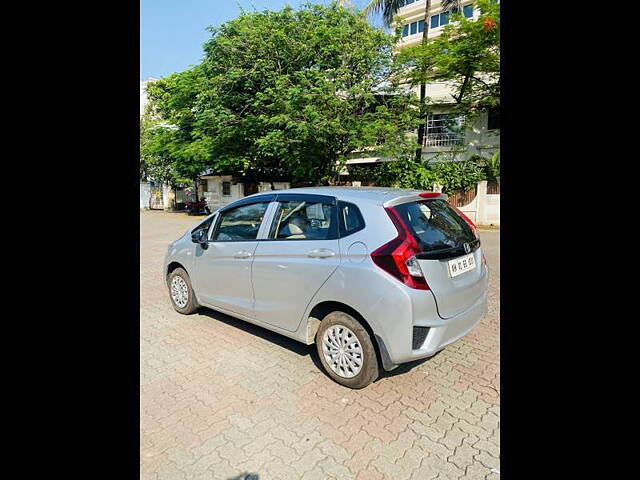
{"x": 224, "y": 399}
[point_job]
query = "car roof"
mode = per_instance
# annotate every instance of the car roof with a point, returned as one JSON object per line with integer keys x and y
{"x": 375, "y": 195}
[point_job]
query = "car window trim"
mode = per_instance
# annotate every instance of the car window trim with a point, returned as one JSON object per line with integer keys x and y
{"x": 212, "y": 226}
{"x": 269, "y": 216}
{"x": 269, "y": 197}
{"x": 306, "y": 197}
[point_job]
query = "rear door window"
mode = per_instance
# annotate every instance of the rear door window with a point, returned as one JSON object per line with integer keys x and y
{"x": 436, "y": 225}
{"x": 303, "y": 220}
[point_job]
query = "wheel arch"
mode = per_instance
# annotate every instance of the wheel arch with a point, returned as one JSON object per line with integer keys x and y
{"x": 172, "y": 266}
{"x": 322, "y": 309}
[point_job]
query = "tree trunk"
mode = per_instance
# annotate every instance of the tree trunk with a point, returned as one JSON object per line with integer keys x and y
{"x": 195, "y": 192}
{"x": 173, "y": 200}
{"x": 463, "y": 88}
{"x": 423, "y": 86}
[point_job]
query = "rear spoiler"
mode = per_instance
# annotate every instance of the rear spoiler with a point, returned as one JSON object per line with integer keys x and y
{"x": 416, "y": 197}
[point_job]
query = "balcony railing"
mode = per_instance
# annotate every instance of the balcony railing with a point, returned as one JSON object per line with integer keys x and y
{"x": 442, "y": 140}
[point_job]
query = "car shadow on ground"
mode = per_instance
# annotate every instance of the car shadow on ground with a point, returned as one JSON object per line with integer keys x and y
{"x": 273, "y": 337}
{"x": 300, "y": 348}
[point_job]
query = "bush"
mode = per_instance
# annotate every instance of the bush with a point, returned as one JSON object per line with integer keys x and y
{"x": 405, "y": 174}
{"x": 408, "y": 173}
{"x": 457, "y": 175}
{"x": 402, "y": 173}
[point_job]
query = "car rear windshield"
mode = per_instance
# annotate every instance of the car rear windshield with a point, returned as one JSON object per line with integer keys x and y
{"x": 435, "y": 224}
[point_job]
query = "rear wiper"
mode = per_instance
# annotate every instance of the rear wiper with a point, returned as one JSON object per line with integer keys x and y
{"x": 450, "y": 252}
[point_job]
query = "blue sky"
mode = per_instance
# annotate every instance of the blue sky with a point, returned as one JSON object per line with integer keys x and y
{"x": 172, "y": 31}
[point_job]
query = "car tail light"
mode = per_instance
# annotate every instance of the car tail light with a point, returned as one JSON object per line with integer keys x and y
{"x": 468, "y": 220}
{"x": 397, "y": 257}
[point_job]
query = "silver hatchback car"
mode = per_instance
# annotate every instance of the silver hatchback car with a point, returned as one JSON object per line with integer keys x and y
{"x": 373, "y": 276}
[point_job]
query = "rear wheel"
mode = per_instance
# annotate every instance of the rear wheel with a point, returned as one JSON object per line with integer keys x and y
{"x": 346, "y": 350}
{"x": 181, "y": 293}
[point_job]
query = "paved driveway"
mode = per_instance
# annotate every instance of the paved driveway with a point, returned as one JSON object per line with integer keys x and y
{"x": 223, "y": 399}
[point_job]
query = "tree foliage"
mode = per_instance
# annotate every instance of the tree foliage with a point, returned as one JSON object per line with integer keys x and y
{"x": 177, "y": 140}
{"x": 457, "y": 175}
{"x": 388, "y": 9}
{"x": 294, "y": 92}
{"x": 156, "y": 160}
{"x": 490, "y": 166}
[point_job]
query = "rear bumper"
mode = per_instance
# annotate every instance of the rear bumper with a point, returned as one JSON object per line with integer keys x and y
{"x": 443, "y": 332}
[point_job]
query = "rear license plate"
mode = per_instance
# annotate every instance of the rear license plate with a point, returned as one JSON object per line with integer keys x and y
{"x": 461, "y": 265}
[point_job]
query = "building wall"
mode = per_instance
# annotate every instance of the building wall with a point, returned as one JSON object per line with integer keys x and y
{"x": 266, "y": 186}
{"x": 214, "y": 194}
{"x": 485, "y": 208}
{"x": 145, "y": 195}
{"x": 492, "y": 210}
{"x": 414, "y": 12}
{"x": 478, "y": 140}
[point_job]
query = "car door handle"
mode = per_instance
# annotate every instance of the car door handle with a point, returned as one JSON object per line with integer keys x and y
{"x": 242, "y": 254}
{"x": 321, "y": 253}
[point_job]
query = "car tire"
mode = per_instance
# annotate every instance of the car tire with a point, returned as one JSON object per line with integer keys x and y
{"x": 179, "y": 279}
{"x": 340, "y": 355}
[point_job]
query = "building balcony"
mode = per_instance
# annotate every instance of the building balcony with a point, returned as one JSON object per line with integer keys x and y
{"x": 442, "y": 140}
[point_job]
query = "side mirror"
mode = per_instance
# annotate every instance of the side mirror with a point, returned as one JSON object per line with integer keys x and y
{"x": 200, "y": 236}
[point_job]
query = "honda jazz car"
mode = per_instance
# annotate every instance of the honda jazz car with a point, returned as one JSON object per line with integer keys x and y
{"x": 375, "y": 277}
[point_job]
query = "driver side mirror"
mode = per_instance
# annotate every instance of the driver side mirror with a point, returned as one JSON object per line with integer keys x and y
{"x": 200, "y": 236}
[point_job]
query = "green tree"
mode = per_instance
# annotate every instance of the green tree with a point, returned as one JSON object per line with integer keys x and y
{"x": 490, "y": 166}
{"x": 177, "y": 141}
{"x": 157, "y": 161}
{"x": 296, "y": 92}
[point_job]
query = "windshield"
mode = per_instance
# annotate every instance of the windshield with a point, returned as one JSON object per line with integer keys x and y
{"x": 435, "y": 224}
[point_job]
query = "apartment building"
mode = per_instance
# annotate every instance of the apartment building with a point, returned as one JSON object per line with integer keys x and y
{"x": 444, "y": 139}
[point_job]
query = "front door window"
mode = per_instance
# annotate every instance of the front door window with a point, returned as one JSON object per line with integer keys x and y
{"x": 240, "y": 223}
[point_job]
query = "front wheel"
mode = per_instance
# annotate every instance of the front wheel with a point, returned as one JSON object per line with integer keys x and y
{"x": 346, "y": 350}
{"x": 181, "y": 292}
